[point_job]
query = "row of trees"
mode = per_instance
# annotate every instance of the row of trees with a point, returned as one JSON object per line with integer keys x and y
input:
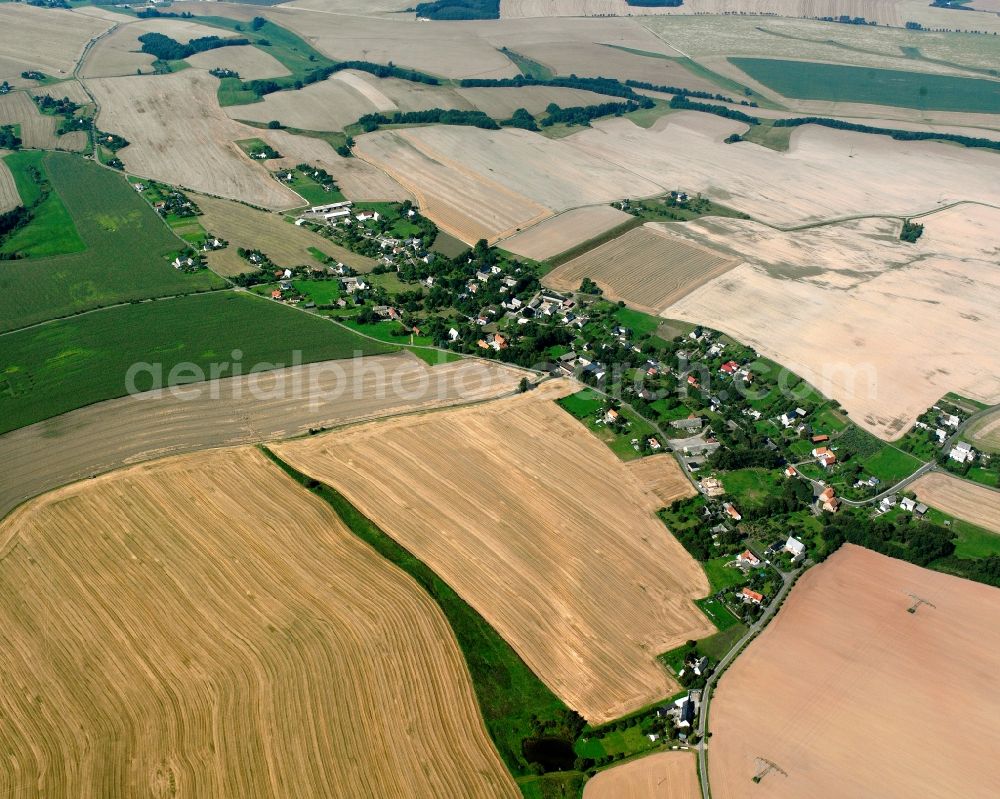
{"x": 166, "y": 49}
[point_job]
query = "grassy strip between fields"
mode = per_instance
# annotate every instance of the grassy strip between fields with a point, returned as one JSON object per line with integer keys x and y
{"x": 509, "y": 693}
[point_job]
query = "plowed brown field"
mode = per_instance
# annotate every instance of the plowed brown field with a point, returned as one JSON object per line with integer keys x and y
{"x": 850, "y": 694}
{"x": 205, "y": 627}
{"x": 540, "y": 528}
{"x": 646, "y": 267}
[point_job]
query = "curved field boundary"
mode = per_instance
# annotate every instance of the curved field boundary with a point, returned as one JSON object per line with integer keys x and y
{"x": 204, "y": 627}
{"x": 538, "y": 526}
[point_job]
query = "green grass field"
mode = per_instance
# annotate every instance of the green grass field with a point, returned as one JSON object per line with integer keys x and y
{"x": 805, "y": 80}
{"x": 717, "y": 613}
{"x": 752, "y": 486}
{"x": 891, "y": 465}
{"x": 720, "y": 577}
{"x": 69, "y": 363}
{"x": 51, "y": 231}
{"x": 127, "y": 255}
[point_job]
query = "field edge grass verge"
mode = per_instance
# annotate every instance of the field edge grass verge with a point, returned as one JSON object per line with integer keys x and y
{"x": 512, "y": 699}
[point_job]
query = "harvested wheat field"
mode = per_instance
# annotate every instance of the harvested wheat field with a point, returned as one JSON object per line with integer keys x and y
{"x": 564, "y": 231}
{"x": 843, "y": 686}
{"x": 490, "y": 184}
{"x": 72, "y": 89}
{"x": 49, "y": 40}
{"x": 867, "y": 287}
{"x": 38, "y": 131}
{"x": 540, "y": 528}
{"x": 357, "y": 179}
{"x": 283, "y": 242}
{"x": 251, "y": 62}
{"x": 447, "y": 49}
{"x": 180, "y": 135}
{"x": 985, "y": 434}
{"x": 962, "y": 498}
{"x": 826, "y": 174}
{"x": 203, "y": 626}
{"x": 661, "y": 479}
{"x": 230, "y": 411}
{"x": 9, "y": 198}
{"x": 665, "y": 775}
{"x": 646, "y": 267}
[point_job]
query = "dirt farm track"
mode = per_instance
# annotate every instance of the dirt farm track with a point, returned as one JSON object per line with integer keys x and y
{"x": 853, "y": 696}
{"x": 205, "y": 627}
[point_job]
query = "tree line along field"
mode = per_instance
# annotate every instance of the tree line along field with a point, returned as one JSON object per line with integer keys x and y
{"x": 168, "y": 637}
{"x": 805, "y": 80}
{"x": 540, "y": 528}
{"x": 70, "y": 363}
{"x": 93, "y": 242}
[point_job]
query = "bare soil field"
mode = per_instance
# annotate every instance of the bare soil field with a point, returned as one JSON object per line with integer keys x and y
{"x": 564, "y": 231}
{"x": 883, "y": 326}
{"x": 180, "y": 135}
{"x": 357, "y": 179}
{"x": 44, "y": 39}
{"x": 962, "y": 498}
{"x": 843, "y": 654}
{"x": 825, "y": 174}
{"x": 284, "y": 243}
{"x": 539, "y": 527}
{"x": 161, "y": 644}
{"x": 661, "y": 478}
{"x": 250, "y": 62}
{"x": 37, "y": 129}
{"x": 646, "y": 267}
{"x": 665, "y": 775}
{"x": 985, "y": 434}
{"x": 490, "y": 184}
{"x": 245, "y": 410}
{"x": 9, "y": 198}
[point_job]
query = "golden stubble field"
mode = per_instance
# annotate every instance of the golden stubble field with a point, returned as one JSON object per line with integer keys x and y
{"x": 853, "y": 696}
{"x": 203, "y": 626}
{"x": 662, "y": 479}
{"x": 37, "y": 129}
{"x": 537, "y": 525}
{"x": 9, "y": 198}
{"x": 884, "y": 326}
{"x": 283, "y": 242}
{"x": 985, "y": 434}
{"x": 646, "y": 267}
{"x": 962, "y": 498}
{"x": 235, "y": 410}
{"x": 491, "y": 184}
{"x": 665, "y": 775}
{"x": 180, "y": 135}
{"x": 564, "y": 231}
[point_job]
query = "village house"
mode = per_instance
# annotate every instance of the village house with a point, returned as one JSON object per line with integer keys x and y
{"x": 824, "y": 456}
{"x": 790, "y": 471}
{"x": 612, "y": 416}
{"x": 747, "y": 558}
{"x": 729, "y": 368}
{"x": 692, "y": 423}
{"x": 366, "y": 216}
{"x": 907, "y": 504}
{"x": 749, "y": 596}
{"x": 712, "y": 487}
{"x": 654, "y": 445}
{"x": 962, "y": 452}
{"x": 733, "y": 513}
{"x": 795, "y": 548}
{"x": 828, "y": 500}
